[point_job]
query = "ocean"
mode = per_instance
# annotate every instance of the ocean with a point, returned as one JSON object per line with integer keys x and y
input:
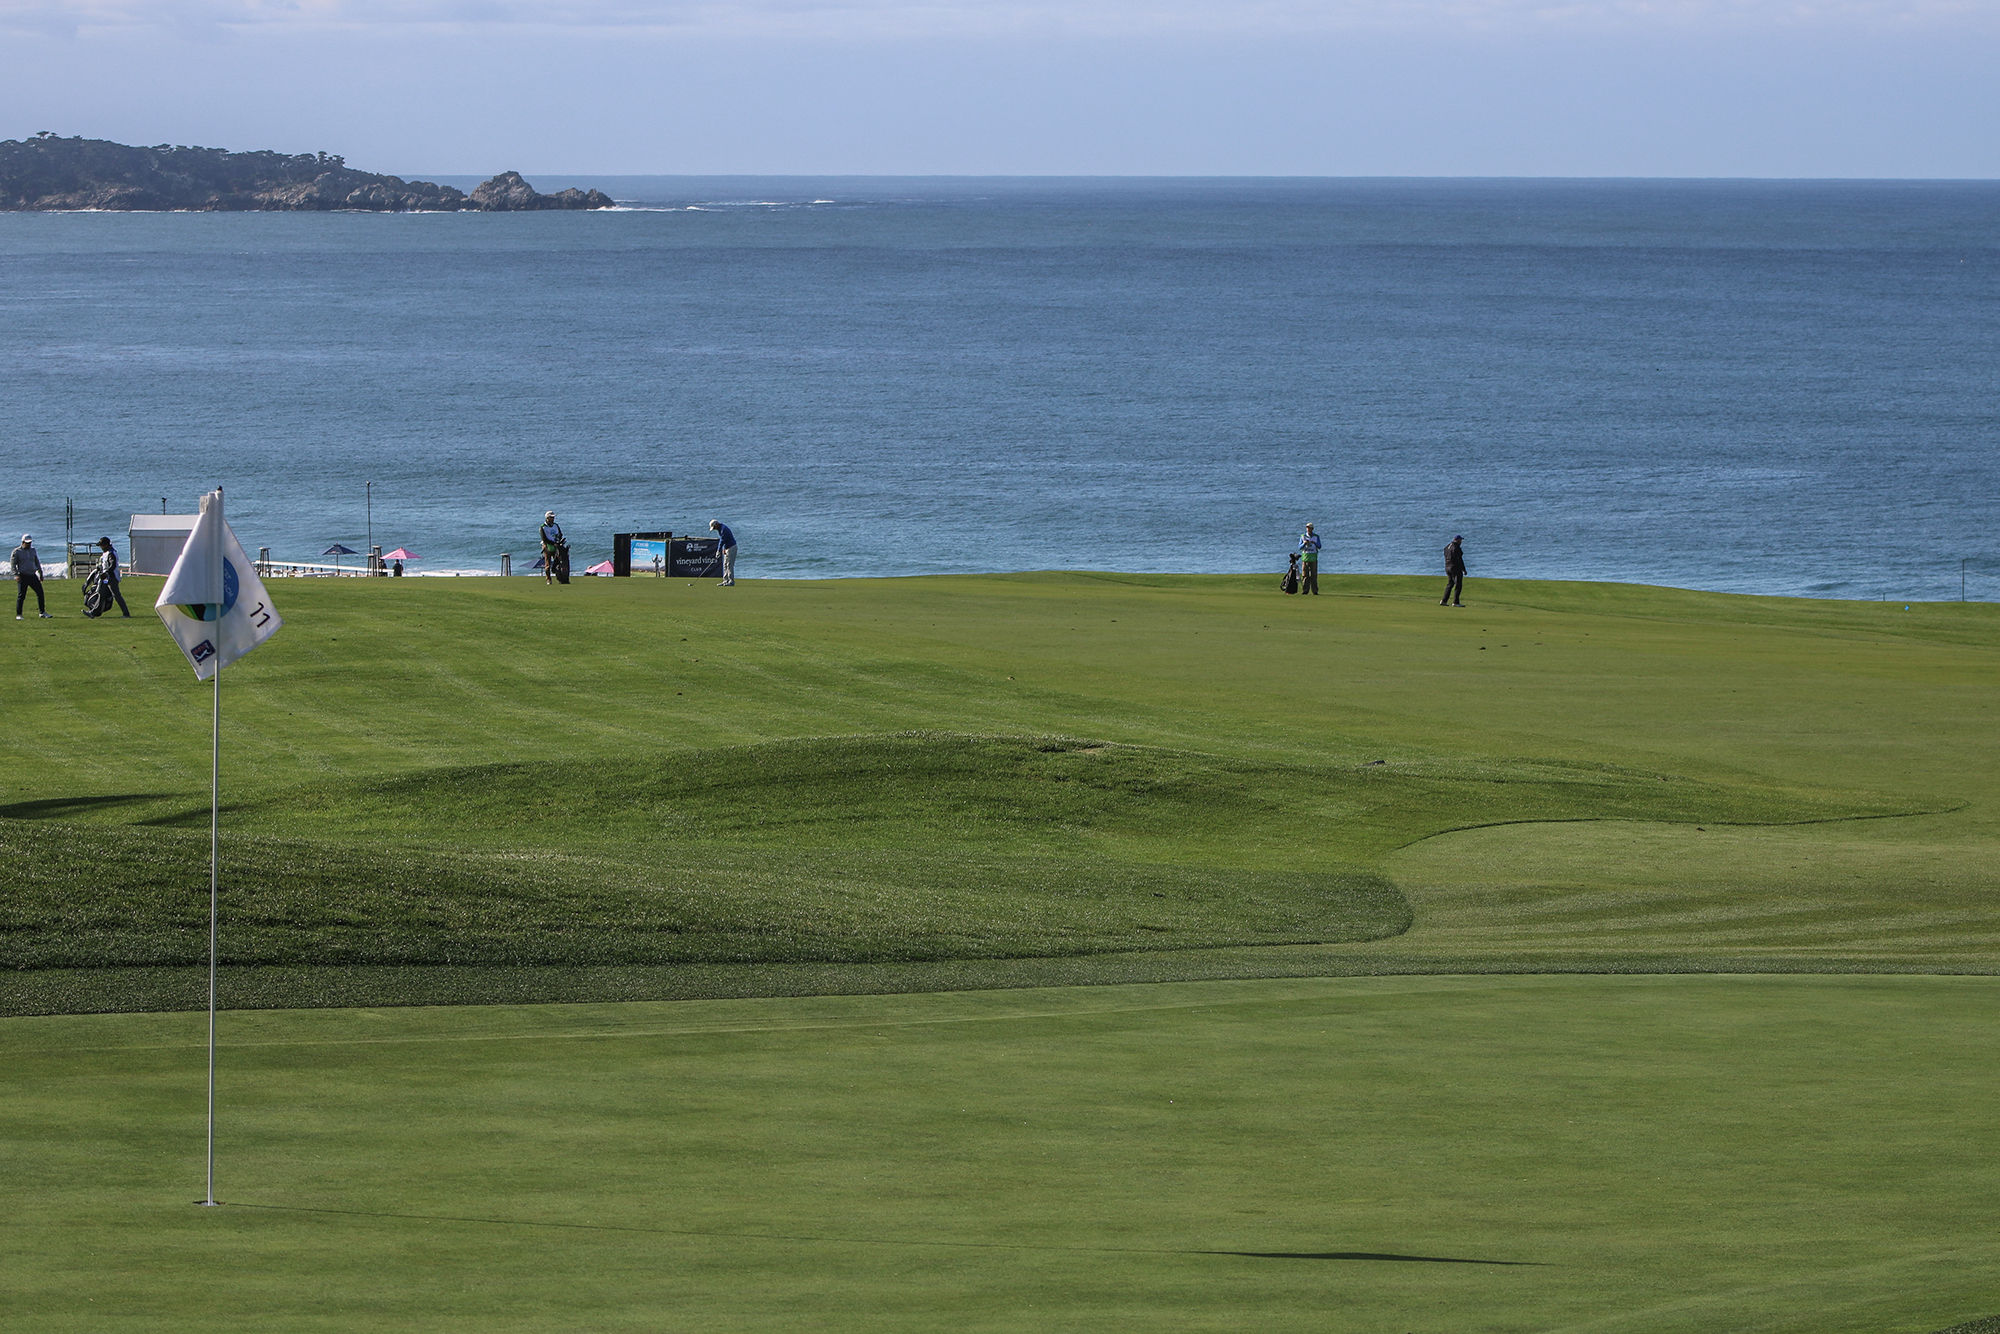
{"x": 1755, "y": 386}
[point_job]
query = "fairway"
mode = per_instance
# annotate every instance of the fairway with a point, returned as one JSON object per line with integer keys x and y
{"x": 493, "y": 790}
{"x": 1665, "y": 1155}
{"x": 1030, "y": 952}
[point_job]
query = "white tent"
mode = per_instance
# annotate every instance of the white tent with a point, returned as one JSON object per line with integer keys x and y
{"x": 156, "y": 541}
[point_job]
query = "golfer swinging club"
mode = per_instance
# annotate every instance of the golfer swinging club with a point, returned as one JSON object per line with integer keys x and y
{"x": 726, "y": 545}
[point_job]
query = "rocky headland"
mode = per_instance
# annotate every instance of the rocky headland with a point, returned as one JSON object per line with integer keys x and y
{"x": 47, "y": 173}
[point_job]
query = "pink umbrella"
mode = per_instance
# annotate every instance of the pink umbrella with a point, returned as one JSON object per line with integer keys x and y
{"x": 602, "y": 567}
{"x": 401, "y": 554}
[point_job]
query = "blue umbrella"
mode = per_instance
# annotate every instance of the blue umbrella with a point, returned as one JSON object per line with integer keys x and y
{"x": 338, "y": 550}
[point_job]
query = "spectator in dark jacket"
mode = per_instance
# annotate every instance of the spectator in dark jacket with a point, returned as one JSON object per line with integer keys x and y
{"x": 107, "y": 569}
{"x": 1454, "y": 572}
{"x": 27, "y": 575}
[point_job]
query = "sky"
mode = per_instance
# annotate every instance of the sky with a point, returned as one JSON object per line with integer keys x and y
{"x": 1762, "y": 88}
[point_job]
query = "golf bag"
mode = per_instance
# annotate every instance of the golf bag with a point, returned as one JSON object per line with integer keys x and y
{"x": 1291, "y": 580}
{"x": 557, "y": 556}
{"x": 96, "y": 594}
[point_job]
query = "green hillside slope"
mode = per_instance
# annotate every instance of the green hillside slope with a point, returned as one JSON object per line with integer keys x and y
{"x": 644, "y": 773}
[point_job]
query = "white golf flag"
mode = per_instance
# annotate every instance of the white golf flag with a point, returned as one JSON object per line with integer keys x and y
{"x": 214, "y": 605}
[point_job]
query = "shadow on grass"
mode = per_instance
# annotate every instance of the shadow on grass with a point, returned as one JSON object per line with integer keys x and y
{"x": 857, "y": 1241}
{"x": 194, "y": 817}
{"x": 50, "y": 991}
{"x": 1365, "y": 1255}
{"x": 57, "y": 808}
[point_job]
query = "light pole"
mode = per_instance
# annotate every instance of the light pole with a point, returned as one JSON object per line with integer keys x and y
{"x": 371, "y": 528}
{"x": 1961, "y": 579}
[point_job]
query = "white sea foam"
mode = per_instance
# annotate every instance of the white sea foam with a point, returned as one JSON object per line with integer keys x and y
{"x": 709, "y": 206}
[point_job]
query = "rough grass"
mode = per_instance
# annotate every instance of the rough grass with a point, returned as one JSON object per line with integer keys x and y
{"x": 81, "y": 897}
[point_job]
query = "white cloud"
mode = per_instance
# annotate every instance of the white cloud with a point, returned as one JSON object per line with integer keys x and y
{"x": 908, "y": 18}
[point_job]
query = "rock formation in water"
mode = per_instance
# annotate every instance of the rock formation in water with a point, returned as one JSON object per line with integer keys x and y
{"x": 508, "y": 193}
{"x": 48, "y": 173}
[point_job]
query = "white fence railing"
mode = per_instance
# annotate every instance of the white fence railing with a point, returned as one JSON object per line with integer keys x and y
{"x": 306, "y": 569}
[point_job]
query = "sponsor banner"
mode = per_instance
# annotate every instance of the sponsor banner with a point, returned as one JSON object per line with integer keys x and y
{"x": 649, "y": 556}
{"x": 691, "y": 557}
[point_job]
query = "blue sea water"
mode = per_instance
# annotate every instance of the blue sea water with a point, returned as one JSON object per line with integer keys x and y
{"x": 1773, "y": 387}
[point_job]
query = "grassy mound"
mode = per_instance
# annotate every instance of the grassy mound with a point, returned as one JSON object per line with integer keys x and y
{"x": 871, "y": 849}
{"x": 94, "y": 897}
{"x": 910, "y": 847}
{"x": 1036, "y": 795}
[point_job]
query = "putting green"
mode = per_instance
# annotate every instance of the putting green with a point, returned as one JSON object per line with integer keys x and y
{"x": 1635, "y": 1155}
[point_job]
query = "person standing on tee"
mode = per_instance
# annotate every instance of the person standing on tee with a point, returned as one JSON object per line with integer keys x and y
{"x": 1309, "y": 545}
{"x": 1454, "y": 572}
{"x": 27, "y": 575}
{"x": 727, "y": 546}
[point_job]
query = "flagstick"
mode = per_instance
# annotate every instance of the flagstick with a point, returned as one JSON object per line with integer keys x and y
{"x": 195, "y": 603}
{"x": 214, "y": 826}
{"x": 214, "y": 840}
{"x": 214, "y": 844}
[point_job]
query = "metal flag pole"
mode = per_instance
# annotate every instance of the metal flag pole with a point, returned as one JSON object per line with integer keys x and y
{"x": 214, "y": 850}
{"x": 214, "y": 879}
{"x": 214, "y": 606}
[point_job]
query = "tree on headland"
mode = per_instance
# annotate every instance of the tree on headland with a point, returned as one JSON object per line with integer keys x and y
{"x": 48, "y": 172}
